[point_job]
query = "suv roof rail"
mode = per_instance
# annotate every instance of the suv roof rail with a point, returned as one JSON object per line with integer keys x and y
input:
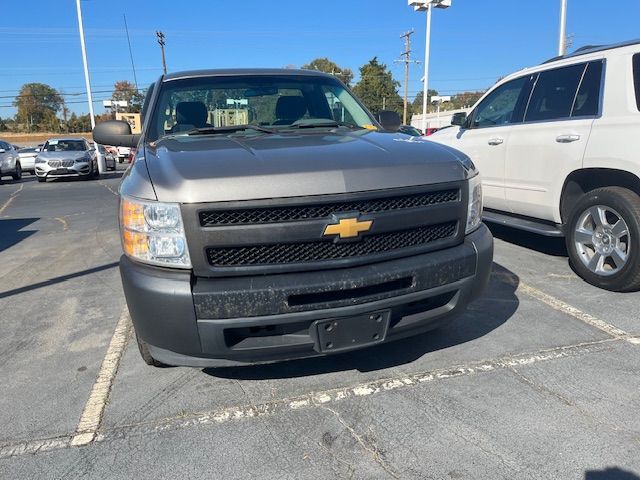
{"x": 593, "y": 49}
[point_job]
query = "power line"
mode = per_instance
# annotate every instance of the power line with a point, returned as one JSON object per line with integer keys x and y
{"x": 133, "y": 65}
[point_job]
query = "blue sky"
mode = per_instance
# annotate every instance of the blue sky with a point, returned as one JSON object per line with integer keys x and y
{"x": 473, "y": 43}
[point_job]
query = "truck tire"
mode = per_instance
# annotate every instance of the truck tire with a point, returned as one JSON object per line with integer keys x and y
{"x": 41, "y": 179}
{"x": 146, "y": 355}
{"x": 603, "y": 238}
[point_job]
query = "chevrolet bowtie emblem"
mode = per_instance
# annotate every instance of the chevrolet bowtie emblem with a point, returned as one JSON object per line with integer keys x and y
{"x": 348, "y": 227}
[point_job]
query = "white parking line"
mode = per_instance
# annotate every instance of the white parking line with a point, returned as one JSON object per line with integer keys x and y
{"x": 95, "y": 407}
{"x": 31, "y": 447}
{"x": 574, "y": 312}
{"x": 563, "y": 307}
{"x": 93, "y": 410}
{"x": 326, "y": 397}
{"x": 10, "y": 199}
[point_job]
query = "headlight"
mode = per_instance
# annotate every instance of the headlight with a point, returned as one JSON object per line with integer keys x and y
{"x": 474, "y": 212}
{"x": 83, "y": 159}
{"x": 40, "y": 160}
{"x": 153, "y": 232}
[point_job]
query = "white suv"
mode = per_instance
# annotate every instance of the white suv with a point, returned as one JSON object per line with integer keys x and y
{"x": 558, "y": 146}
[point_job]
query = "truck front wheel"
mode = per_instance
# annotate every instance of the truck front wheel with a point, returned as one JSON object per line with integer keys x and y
{"x": 603, "y": 238}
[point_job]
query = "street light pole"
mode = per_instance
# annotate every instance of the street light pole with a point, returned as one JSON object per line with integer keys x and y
{"x": 101, "y": 164}
{"x": 562, "y": 40}
{"x": 425, "y": 85}
{"x": 427, "y": 6}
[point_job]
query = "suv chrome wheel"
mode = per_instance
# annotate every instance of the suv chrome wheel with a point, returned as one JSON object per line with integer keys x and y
{"x": 602, "y": 240}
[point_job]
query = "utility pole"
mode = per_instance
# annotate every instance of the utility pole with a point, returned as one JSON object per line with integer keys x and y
{"x": 160, "y": 36}
{"x": 406, "y": 59}
{"x": 562, "y": 38}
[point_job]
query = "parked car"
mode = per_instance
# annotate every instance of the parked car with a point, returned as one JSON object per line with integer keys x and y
{"x": 303, "y": 232}
{"x": 558, "y": 147}
{"x": 9, "y": 161}
{"x": 109, "y": 159}
{"x": 27, "y": 158}
{"x": 123, "y": 154}
{"x": 410, "y": 130}
{"x": 66, "y": 157}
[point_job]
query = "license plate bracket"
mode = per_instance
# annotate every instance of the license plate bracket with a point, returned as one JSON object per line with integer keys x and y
{"x": 346, "y": 333}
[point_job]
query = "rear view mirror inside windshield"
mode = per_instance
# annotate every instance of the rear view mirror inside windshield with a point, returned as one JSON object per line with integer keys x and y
{"x": 260, "y": 91}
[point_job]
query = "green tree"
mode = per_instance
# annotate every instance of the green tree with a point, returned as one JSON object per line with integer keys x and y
{"x": 37, "y": 104}
{"x": 327, "y": 66}
{"x": 377, "y": 89}
{"x": 465, "y": 99}
{"x": 125, "y": 90}
{"x": 79, "y": 123}
{"x": 417, "y": 102}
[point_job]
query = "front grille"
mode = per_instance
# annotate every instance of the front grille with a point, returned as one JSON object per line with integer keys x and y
{"x": 291, "y": 253}
{"x": 60, "y": 163}
{"x": 213, "y": 218}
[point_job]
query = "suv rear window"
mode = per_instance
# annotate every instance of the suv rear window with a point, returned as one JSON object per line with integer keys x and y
{"x": 587, "y": 101}
{"x": 554, "y": 93}
{"x": 636, "y": 77}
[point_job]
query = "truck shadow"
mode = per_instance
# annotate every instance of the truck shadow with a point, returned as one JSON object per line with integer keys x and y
{"x": 612, "y": 473}
{"x": 482, "y": 316}
{"x": 11, "y": 231}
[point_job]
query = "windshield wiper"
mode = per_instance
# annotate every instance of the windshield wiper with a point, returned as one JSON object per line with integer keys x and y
{"x": 319, "y": 123}
{"x": 227, "y": 129}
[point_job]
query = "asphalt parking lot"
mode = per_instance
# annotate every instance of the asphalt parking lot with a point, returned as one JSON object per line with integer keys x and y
{"x": 539, "y": 379}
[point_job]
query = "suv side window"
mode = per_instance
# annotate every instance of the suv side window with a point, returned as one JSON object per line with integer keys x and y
{"x": 636, "y": 77}
{"x": 587, "y": 102}
{"x": 553, "y": 95}
{"x": 499, "y": 107}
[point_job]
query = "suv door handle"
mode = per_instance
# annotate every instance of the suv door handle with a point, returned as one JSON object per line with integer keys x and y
{"x": 496, "y": 141}
{"x": 567, "y": 138}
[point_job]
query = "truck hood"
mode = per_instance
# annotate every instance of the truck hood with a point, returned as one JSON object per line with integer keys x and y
{"x": 194, "y": 169}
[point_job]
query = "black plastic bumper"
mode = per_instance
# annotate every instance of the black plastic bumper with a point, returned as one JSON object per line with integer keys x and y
{"x": 212, "y": 322}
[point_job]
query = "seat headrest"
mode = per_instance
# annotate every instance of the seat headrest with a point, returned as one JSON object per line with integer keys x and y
{"x": 291, "y": 108}
{"x": 191, "y": 113}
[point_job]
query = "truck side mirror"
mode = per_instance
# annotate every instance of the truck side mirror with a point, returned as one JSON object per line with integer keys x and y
{"x": 116, "y": 133}
{"x": 459, "y": 119}
{"x": 389, "y": 120}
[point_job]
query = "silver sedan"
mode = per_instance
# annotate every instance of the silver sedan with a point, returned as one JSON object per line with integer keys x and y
{"x": 66, "y": 157}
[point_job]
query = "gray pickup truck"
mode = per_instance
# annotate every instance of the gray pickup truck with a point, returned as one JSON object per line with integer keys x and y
{"x": 268, "y": 216}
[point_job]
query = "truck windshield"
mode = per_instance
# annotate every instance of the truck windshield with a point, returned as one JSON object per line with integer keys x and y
{"x": 279, "y": 102}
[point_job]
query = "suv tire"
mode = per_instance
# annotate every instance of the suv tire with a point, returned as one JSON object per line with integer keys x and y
{"x": 603, "y": 238}
{"x": 41, "y": 179}
{"x": 146, "y": 355}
